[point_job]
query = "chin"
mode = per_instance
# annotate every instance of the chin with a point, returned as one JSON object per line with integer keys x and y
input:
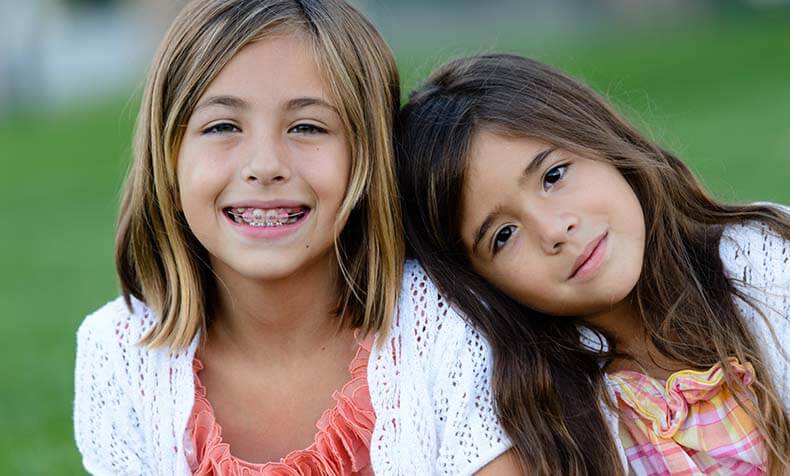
{"x": 277, "y": 266}
{"x": 270, "y": 270}
{"x": 590, "y": 303}
{"x": 607, "y": 302}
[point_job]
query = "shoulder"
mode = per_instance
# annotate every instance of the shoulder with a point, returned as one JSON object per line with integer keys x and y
{"x": 130, "y": 400}
{"x": 116, "y": 324}
{"x": 107, "y": 342}
{"x": 431, "y": 321}
{"x": 754, "y": 254}
{"x": 107, "y": 406}
{"x": 420, "y": 296}
{"x": 431, "y": 387}
{"x": 757, "y": 261}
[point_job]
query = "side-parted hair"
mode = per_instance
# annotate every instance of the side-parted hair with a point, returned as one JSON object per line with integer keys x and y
{"x": 548, "y": 380}
{"x": 159, "y": 260}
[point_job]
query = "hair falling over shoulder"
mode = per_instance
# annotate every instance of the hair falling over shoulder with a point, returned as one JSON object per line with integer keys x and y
{"x": 548, "y": 384}
{"x": 158, "y": 259}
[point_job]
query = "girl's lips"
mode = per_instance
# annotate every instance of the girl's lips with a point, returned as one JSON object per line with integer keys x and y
{"x": 267, "y": 204}
{"x": 267, "y": 232}
{"x": 591, "y": 258}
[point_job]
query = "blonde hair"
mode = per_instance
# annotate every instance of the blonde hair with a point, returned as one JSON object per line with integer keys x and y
{"x": 158, "y": 259}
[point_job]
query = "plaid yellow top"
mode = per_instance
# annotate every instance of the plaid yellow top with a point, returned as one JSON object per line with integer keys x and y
{"x": 690, "y": 425}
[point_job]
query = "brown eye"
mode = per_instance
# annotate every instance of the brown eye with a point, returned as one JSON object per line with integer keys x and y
{"x": 554, "y": 175}
{"x": 502, "y": 236}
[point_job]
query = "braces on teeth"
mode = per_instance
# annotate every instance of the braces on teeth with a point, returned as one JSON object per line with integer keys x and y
{"x": 265, "y": 218}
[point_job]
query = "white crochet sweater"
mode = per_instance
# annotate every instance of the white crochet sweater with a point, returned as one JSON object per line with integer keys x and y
{"x": 430, "y": 386}
{"x": 430, "y": 389}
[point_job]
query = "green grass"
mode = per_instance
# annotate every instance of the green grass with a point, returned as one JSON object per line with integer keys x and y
{"x": 60, "y": 182}
{"x": 718, "y": 94}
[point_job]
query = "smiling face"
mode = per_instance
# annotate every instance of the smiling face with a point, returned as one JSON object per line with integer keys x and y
{"x": 264, "y": 163}
{"x": 560, "y": 233}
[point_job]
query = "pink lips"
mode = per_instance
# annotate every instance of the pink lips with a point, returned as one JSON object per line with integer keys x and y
{"x": 266, "y": 232}
{"x": 591, "y": 258}
{"x": 266, "y": 204}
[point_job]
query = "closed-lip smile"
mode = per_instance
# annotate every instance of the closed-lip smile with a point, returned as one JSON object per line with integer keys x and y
{"x": 590, "y": 258}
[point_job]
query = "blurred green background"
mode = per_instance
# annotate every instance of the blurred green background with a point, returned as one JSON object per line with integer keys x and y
{"x": 716, "y": 90}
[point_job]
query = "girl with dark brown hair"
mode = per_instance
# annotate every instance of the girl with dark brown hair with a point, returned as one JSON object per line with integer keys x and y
{"x": 600, "y": 271}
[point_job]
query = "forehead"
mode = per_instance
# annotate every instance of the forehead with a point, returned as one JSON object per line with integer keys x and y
{"x": 491, "y": 153}
{"x": 277, "y": 65}
{"x": 495, "y": 164}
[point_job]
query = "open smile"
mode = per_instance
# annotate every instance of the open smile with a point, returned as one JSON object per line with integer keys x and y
{"x": 267, "y": 220}
{"x": 270, "y": 217}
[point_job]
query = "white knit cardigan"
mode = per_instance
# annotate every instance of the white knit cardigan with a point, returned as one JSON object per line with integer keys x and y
{"x": 430, "y": 386}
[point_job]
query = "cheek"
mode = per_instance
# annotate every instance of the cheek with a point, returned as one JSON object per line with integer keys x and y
{"x": 637, "y": 233}
{"x": 198, "y": 169}
{"x": 328, "y": 174}
{"x": 619, "y": 203}
{"x": 533, "y": 291}
{"x": 200, "y": 180}
{"x": 632, "y": 221}
{"x": 525, "y": 278}
{"x": 630, "y": 245}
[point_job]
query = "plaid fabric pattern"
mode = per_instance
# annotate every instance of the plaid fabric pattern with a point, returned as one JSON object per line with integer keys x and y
{"x": 690, "y": 425}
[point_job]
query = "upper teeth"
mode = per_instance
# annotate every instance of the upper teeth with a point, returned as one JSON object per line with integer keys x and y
{"x": 265, "y": 217}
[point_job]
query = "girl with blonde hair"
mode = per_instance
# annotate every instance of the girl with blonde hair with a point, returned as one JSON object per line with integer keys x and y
{"x": 268, "y": 324}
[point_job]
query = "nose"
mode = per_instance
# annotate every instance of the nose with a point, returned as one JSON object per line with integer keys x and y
{"x": 555, "y": 229}
{"x": 266, "y": 163}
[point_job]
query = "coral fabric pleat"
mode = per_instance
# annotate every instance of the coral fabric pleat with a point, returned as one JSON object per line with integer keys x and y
{"x": 691, "y": 425}
{"x": 341, "y": 445}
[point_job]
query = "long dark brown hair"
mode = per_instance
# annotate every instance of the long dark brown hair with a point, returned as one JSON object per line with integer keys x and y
{"x": 548, "y": 379}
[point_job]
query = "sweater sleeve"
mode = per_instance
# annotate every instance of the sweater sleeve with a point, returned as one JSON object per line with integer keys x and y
{"x": 757, "y": 260}
{"x": 444, "y": 407}
{"x": 106, "y": 424}
{"x": 469, "y": 433}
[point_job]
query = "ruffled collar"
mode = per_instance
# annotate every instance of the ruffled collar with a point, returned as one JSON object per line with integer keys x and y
{"x": 341, "y": 445}
{"x": 666, "y": 405}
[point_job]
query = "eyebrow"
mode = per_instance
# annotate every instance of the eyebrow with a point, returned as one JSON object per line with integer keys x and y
{"x": 234, "y": 102}
{"x": 227, "y": 101}
{"x": 299, "y": 103}
{"x": 533, "y": 166}
{"x": 481, "y": 232}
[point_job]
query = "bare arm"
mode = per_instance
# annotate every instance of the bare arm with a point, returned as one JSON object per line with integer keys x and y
{"x": 505, "y": 464}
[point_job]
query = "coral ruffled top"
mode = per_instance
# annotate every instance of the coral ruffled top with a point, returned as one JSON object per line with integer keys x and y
{"x": 341, "y": 445}
{"x": 692, "y": 424}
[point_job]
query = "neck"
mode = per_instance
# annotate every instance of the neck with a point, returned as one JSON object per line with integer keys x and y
{"x": 275, "y": 318}
{"x": 623, "y": 323}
